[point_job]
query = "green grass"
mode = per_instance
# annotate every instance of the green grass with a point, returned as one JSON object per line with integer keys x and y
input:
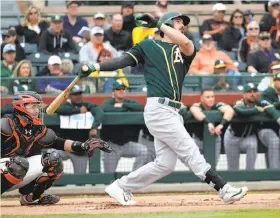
{"x": 264, "y": 213}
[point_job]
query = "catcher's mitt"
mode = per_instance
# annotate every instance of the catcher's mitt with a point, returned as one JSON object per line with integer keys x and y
{"x": 93, "y": 143}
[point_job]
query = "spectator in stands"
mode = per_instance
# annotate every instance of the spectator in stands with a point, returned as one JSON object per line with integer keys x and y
{"x": 127, "y": 12}
{"x": 72, "y": 22}
{"x": 119, "y": 38}
{"x": 216, "y": 25}
{"x": 268, "y": 81}
{"x": 204, "y": 61}
{"x": 90, "y": 51}
{"x": 249, "y": 43}
{"x": 32, "y": 26}
{"x": 160, "y": 8}
{"x": 249, "y": 17}
{"x": 123, "y": 144}
{"x": 53, "y": 86}
{"x": 140, "y": 33}
{"x": 23, "y": 69}
{"x": 219, "y": 84}
{"x": 235, "y": 31}
{"x": 269, "y": 19}
{"x": 8, "y": 65}
{"x": 207, "y": 103}
{"x": 99, "y": 20}
{"x": 269, "y": 133}
{"x": 76, "y": 105}
{"x": 241, "y": 137}
{"x": 107, "y": 83}
{"x": 275, "y": 34}
{"x": 10, "y": 37}
{"x": 260, "y": 60}
{"x": 55, "y": 40}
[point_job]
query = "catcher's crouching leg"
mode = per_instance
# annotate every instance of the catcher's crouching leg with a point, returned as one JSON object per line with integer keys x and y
{"x": 33, "y": 193}
{"x": 13, "y": 173}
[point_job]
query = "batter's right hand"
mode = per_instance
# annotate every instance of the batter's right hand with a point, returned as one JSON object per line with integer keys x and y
{"x": 211, "y": 128}
{"x": 86, "y": 70}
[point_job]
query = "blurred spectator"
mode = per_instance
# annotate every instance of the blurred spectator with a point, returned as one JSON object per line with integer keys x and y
{"x": 52, "y": 85}
{"x": 72, "y": 22}
{"x": 32, "y": 26}
{"x": 139, "y": 33}
{"x": 107, "y": 83}
{"x": 90, "y": 51}
{"x": 241, "y": 137}
{"x": 249, "y": 17}
{"x": 123, "y": 146}
{"x": 76, "y": 105}
{"x": 99, "y": 20}
{"x": 55, "y": 40}
{"x": 23, "y": 69}
{"x": 269, "y": 19}
{"x": 260, "y": 60}
{"x": 204, "y": 61}
{"x": 160, "y": 8}
{"x": 249, "y": 43}
{"x": 10, "y": 37}
{"x": 235, "y": 31}
{"x": 119, "y": 38}
{"x": 127, "y": 12}
{"x": 275, "y": 34}
{"x": 8, "y": 65}
{"x": 188, "y": 33}
{"x": 207, "y": 103}
{"x": 219, "y": 84}
{"x": 268, "y": 80}
{"x": 269, "y": 133}
{"x": 67, "y": 66}
{"x": 216, "y": 25}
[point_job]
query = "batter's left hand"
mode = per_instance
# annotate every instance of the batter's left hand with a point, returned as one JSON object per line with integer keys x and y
{"x": 147, "y": 20}
{"x": 218, "y": 129}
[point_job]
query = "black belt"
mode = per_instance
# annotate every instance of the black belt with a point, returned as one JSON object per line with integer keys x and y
{"x": 170, "y": 103}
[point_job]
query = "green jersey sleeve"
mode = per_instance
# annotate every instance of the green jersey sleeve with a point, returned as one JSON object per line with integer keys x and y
{"x": 136, "y": 52}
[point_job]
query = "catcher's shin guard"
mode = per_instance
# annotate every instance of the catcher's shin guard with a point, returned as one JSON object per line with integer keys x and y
{"x": 37, "y": 187}
{"x": 13, "y": 173}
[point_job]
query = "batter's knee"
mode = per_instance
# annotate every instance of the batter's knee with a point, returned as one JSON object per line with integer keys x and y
{"x": 167, "y": 166}
{"x": 16, "y": 169}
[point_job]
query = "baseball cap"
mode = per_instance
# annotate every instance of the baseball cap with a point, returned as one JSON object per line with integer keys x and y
{"x": 99, "y": 15}
{"x": 264, "y": 35}
{"x": 275, "y": 67}
{"x": 54, "y": 60}
{"x": 276, "y": 76}
{"x": 56, "y": 18}
{"x": 219, "y": 64}
{"x": 249, "y": 86}
{"x": 219, "y": 7}
{"x": 9, "y": 33}
{"x": 162, "y": 4}
{"x": 70, "y": 2}
{"x": 76, "y": 90}
{"x": 9, "y": 48}
{"x": 273, "y": 2}
{"x": 207, "y": 37}
{"x": 118, "y": 84}
{"x": 127, "y": 5}
{"x": 97, "y": 30}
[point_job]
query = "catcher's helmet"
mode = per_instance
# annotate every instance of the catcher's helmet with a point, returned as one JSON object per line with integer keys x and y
{"x": 167, "y": 18}
{"x": 19, "y": 102}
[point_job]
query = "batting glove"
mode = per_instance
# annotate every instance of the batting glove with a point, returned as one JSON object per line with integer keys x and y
{"x": 86, "y": 70}
{"x": 147, "y": 20}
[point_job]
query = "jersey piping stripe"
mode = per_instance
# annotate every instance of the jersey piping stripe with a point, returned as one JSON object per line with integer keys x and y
{"x": 168, "y": 67}
{"x": 133, "y": 57}
{"x": 175, "y": 70}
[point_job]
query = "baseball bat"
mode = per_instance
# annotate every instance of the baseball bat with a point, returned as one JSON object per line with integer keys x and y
{"x": 59, "y": 99}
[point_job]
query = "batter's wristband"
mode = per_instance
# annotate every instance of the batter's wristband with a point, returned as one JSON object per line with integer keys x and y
{"x": 159, "y": 23}
{"x": 224, "y": 122}
{"x": 206, "y": 121}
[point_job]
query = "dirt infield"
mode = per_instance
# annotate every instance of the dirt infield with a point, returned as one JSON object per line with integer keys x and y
{"x": 167, "y": 203}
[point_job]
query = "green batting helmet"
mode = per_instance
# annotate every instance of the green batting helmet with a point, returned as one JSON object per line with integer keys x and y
{"x": 167, "y": 18}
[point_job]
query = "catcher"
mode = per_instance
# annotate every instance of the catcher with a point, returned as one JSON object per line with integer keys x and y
{"x": 22, "y": 137}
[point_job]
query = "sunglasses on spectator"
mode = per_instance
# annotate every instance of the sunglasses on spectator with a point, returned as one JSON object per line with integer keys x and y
{"x": 121, "y": 88}
{"x": 237, "y": 16}
{"x": 253, "y": 28}
{"x": 265, "y": 38}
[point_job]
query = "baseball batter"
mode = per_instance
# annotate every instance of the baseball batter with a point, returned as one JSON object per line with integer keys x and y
{"x": 166, "y": 63}
{"x": 22, "y": 137}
